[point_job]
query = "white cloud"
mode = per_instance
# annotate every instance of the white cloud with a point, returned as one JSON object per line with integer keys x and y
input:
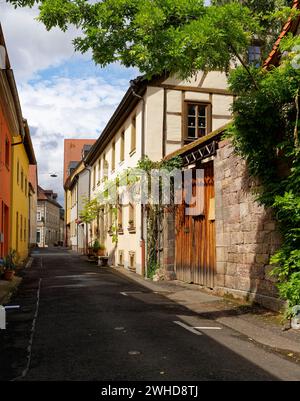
{"x": 31, "y": 47}
{"x": 58, "y": 107}
{"x": 66, "y": 108}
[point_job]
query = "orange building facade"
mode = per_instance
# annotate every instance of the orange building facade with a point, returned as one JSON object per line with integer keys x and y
{"x": 11, "y": 126}
{"x": 5, "y": 184}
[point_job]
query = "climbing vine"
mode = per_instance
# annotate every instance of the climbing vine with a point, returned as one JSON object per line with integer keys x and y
{"x": 266, "y": 133}
{"x": 155, "y": 211}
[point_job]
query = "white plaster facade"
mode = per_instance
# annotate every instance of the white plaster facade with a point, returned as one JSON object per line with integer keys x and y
{"x": 159, "y": 109}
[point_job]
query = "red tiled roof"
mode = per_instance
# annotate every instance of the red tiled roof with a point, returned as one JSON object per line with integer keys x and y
{"x": 32, "y": 176}
{"x": 46, "y": 195}
{"x": 291, "y": 26}
{"x": 41, "y": 194}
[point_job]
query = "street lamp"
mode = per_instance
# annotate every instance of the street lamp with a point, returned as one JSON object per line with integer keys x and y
{"x": 52, "y": 175}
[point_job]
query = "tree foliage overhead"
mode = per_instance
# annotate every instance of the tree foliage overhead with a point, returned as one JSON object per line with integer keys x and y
{"x": 178, "y": 36}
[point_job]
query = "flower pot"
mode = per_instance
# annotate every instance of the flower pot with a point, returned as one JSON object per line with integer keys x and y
{"x": 9, "y": 275}
{"x": 101, "y": 252}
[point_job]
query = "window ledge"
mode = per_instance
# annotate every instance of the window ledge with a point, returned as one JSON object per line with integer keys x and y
{"x": 132, "y": 152}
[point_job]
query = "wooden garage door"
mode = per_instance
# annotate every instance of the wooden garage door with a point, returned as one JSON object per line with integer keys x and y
{"x": 195, "y": 238}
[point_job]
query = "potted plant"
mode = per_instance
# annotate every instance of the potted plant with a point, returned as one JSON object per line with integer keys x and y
{"x": 96, "y": 247}
{"x": 9, "y": 265}
{"x": 90, "y": 250}
{"x": 101, "y": 250}
{"x": 131, "y": 226}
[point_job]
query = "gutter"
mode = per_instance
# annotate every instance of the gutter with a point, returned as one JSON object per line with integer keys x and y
{"x": 88, "y": 168}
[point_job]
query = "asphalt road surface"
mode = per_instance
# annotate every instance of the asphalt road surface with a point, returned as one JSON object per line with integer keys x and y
{"x": 80, "y": 322}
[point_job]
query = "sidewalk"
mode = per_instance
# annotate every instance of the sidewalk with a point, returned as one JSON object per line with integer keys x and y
{"x": 7, "y": 288}
{"x": 258, "y": 324}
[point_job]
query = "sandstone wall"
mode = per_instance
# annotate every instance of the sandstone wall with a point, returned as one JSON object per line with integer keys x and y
{"x": 246, "y": 233}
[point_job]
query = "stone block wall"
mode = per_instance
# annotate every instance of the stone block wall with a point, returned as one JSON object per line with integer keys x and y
{"x": 168, "y": 242}
{"x": 246, "y": 233}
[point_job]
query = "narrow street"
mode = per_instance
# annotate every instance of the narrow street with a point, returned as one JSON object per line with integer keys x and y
{"x": 91, "y": 323}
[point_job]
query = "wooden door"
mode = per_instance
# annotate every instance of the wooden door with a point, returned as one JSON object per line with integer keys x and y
{"x": 195, "y": 238}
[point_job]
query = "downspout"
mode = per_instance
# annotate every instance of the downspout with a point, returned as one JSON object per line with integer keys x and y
{"x": 142, "y": 239}
{"x": 77, "y": 215}
{"x": 88, "y": 168}
{"x": 65, "y": 222}
{"x": 45, "y": 231}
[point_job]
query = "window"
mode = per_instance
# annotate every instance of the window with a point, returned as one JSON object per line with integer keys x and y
{"x": 254, "y": 55}
{"x": 110, "y": 218}
{"x": 198, "y": 123}
{"x": 18, "y": 172}
{"x": 105, "y": 167}
{"x": 22, "y": 179}
{"x": 122, "y": 146}
{"x": 131, "y": 215}
{"x": 121, "y": 258}
{"x": 113, "y": 156}
{"x": 7, "y": 153}
{"x": 99, "y": 171}
{"x": 17, "y": 228}
{"x": 133, "y": 134}
{"x": 132, "y": 260}
{"x": 94, "y": 177}
{"x": 21, "y": 227}
{"x": 39, "y": 216}
{"x": 120, "y": 217}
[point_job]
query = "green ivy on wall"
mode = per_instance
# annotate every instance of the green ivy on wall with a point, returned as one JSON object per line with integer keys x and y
{"x": 266, "y": 133}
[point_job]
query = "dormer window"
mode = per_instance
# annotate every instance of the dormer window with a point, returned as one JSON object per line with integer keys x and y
{"x": 254, "y": 55}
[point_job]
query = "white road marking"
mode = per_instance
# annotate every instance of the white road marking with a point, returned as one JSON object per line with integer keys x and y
{"x": 208, "y": 328}
{"x": 29, "y": 348}
{"x": 12, "y": 307}
{"x": 130, "y": 292}
{"x": 189, "y": 328}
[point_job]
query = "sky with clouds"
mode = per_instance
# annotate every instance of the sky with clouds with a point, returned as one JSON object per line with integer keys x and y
{"x": 63, "y": 94}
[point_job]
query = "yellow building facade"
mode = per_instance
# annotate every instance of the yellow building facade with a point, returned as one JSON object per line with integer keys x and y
{"x": 22, "y": 157}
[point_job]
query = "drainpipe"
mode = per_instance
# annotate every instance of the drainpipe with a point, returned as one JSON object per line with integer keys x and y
{"x": 142, "y": 239}
{"x": 89, "y": 169}
{"x": 66, "y": 219}
{"x": 77, "y": 215}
